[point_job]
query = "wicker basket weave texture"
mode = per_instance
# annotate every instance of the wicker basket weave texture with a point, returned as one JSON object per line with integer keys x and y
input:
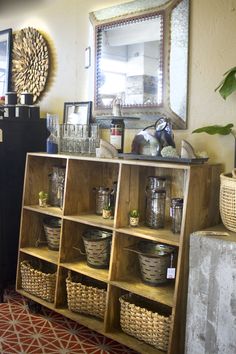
{"x": 85, "y": 299}
{"x": 228, "y": 201}
{"x": 37, "y": 283}
{"x": 144, "y": 324}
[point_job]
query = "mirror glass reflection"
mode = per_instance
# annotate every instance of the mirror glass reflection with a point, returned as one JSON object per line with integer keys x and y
{"x": 130, "y": 62}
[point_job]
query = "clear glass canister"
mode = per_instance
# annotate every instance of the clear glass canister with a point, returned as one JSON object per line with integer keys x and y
{"x": 155, "y": 208}
{"x": 56, "y": 186}
{"x": 176, "y": 211}
{"x": 156, "y": 182}
{"x": 102, "y": 199}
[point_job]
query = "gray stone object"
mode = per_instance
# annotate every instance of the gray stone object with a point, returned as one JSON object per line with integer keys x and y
{"x": 211, "y": 308}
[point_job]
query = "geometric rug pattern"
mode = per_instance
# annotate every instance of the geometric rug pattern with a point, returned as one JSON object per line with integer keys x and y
{"x": 23, "y": 332}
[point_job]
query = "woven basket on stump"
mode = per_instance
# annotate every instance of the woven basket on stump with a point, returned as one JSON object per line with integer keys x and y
{"x": 228, "y": 200}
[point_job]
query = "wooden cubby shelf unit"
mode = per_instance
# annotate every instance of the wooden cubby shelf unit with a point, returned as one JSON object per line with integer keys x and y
{"x": 198, "y": 184}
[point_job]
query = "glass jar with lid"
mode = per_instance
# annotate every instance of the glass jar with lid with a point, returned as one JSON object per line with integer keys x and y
{"x": 56, "y": 186}
{"x": 102, "y": 199}
{"x": 156, "y": 182}
{"x": 155, "y": 208}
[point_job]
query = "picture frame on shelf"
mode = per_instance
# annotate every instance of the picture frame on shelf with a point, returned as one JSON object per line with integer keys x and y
{"x": 77, "y": 112}
{"x": 5, "y": 60}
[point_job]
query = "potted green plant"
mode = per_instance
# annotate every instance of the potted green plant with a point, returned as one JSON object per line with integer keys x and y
{"x": 43, "y": 198}
{"x": 106, "y": 212}
{"x": 134, "y": 217}
{"x": 226, "y": 87}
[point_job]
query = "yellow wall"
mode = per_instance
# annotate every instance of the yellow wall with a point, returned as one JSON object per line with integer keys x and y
{"x": 66, "y": 25}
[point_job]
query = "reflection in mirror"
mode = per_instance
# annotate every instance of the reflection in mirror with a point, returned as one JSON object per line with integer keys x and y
{"x": 179, "y": 59}
{"x": 130, "y": 55}
{"x": 141, "y": 59}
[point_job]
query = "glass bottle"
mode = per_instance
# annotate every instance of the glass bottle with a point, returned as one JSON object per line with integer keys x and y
{"x": 176, "y": 211}
{"x": 117, "y": 129}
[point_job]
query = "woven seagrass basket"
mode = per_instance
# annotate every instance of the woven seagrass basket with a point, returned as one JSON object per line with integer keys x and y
{"x": 145, "y": 321}
{"x": 85, "y": 298}
{"x": 36, "y": 282}
{"x": 228, "y": 201}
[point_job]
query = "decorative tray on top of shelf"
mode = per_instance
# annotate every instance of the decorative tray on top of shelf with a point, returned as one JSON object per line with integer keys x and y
{"x": 190, "y": 161}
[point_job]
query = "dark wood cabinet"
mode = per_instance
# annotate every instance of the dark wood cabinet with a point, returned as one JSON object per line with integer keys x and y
{"x": 17, "y": 137}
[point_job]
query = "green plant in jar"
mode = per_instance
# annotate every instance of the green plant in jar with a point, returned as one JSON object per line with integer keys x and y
{"x": 106, "y": 211}
{"x": 134, "y": 217}
{"x": 43, "y": 197}
{"x": 134, "y": 213}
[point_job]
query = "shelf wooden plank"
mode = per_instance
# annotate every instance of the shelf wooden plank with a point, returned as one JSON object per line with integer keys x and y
{"x": 43, "y": 253}
{"x": 49, "y": 210}
{"x": 83, "y": 268}
{"x": 91, "y": 322}
{"x": 171, "y": 165}
{"x": 157, "y": 164}
{"x": 37, "y": 299}
{"x": 161, "y": 235}
{"x": 164, "y": 293}
{"x": 92, "y": 220}
{"x": 133, "y": 343}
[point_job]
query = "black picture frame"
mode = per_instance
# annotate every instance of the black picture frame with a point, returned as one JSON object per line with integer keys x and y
{"x": 77, "y": 112}
{"x": 5, "y": 60}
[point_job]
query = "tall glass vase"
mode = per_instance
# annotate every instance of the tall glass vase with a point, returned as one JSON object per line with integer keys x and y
{"x": 53, "y": 128}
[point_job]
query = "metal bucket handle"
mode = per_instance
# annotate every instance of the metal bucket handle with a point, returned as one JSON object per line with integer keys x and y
{"x": 145, "y": 253}
{"x": 78, "y": 249}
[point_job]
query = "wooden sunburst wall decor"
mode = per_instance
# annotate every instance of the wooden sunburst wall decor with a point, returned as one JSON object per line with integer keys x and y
{"x": 30, "y": 62}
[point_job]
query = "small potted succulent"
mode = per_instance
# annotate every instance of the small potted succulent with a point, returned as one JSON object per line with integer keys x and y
{"x": 43, "y": 198}
{"x": 106, "y": 212}
{"x": 134, "y": 217}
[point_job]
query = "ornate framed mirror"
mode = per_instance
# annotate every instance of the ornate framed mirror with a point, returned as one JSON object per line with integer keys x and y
{"x": 141, "y": 58}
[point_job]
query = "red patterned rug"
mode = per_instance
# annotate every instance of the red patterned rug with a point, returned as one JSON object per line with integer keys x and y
{"x": 23, "y": 332}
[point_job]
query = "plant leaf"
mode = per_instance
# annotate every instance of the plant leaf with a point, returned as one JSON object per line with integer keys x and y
{"x": 215, "y": 129}
{"x": 228, "y": 84}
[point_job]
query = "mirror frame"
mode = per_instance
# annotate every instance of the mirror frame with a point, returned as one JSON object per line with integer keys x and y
{"x": 138, "y": 116}
{"x": 6, "y": 39}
